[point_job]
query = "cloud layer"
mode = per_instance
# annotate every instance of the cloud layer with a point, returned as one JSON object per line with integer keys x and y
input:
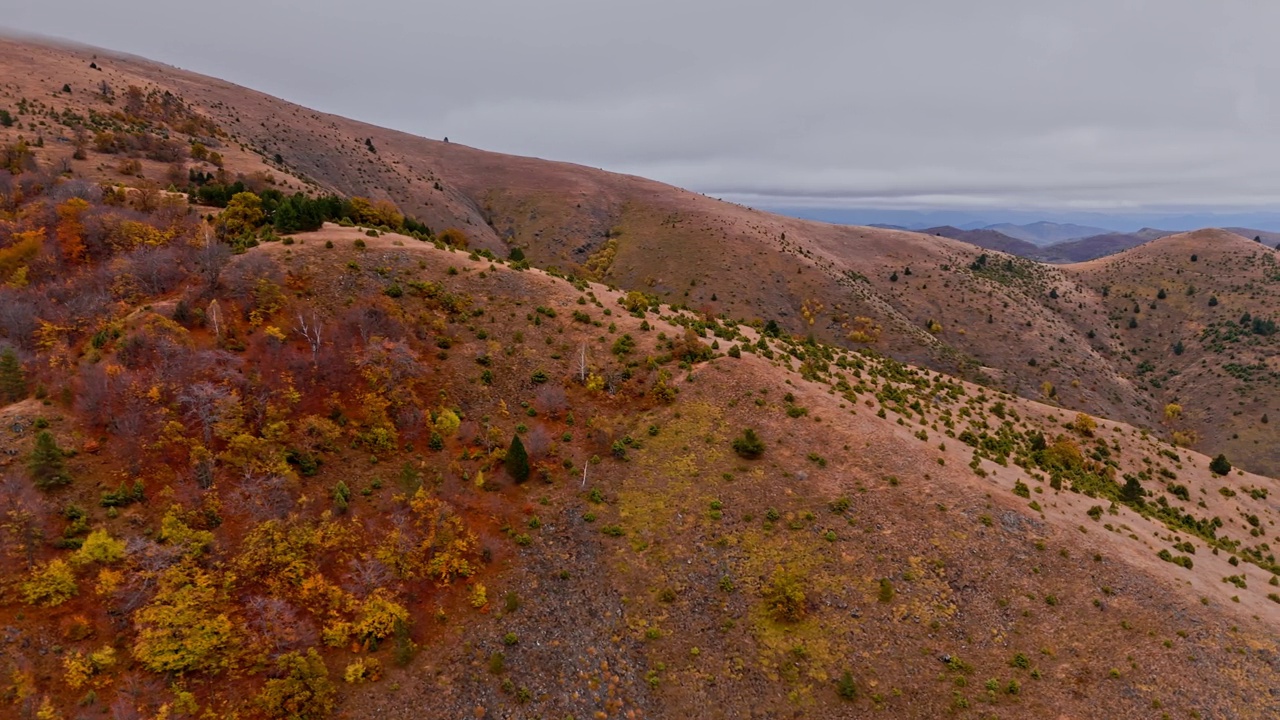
{"x": 1107, "y": 105}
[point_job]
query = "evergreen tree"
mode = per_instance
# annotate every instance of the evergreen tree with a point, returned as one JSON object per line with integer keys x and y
{"x": 517, "y": 460}
{"x": 1132, "y": 491}
{"x": 13, "y": 381}
{"x": 1220, "y": 465}
{"x": 46, "y": 463}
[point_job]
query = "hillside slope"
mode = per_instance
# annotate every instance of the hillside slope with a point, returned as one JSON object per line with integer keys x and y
{"x": 887, "y": 549}
{"x": 712, "y": 256}
{"x": 1184, "y": 309}
{"x": 917, "y": 298}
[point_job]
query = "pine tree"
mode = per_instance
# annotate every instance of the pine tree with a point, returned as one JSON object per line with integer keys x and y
{"x": 517, "y": 460}
{"x": 45, "y": 464}
{"x": 13, "y": 381}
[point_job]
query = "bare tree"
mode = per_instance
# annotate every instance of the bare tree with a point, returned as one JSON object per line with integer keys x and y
{"x": 538, "y": 441}
{"x": 367, "y": 574}
{"x": 214, "y": 316}
{"x": 581, "y": 365}
{"x": 206, "y": 403}
{"x": 312, "y": 332}
{"x": 279, "y": 624}
{"x": 550, "y": 400}
{"x": 211, "y": 255}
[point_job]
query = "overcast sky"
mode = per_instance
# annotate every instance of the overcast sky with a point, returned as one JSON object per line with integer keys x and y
{"x": 1110, "y": 105}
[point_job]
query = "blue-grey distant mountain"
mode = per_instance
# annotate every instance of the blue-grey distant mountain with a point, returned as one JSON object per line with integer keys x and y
{"x": 1047, "y": 233}
{"x": 984, "y": 238}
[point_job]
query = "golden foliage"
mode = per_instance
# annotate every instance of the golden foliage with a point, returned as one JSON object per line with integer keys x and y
{"x": 1084, "y": 425}
{"x": 23, "y": 249}
{"x": 243, "y": 215}
{"x": 80, "y": 667}
{"x": 175, "y": 531}
{"x": 379, "y": 615}
{"x": 50, "y": 584}
{"x": 303, "y": 691}
{"x": 447, "y": 422}
{"x": 183, "y": 628}
{"x": 865, "y": 330}
{"x": 366, "y": 669}
{"x": 454, "y": 237}
{"x": 99, "y": 547}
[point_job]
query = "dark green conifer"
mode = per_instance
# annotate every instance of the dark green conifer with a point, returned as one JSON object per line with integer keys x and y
{"x": 46, "y": 463}
{"x": 517, "y": 460}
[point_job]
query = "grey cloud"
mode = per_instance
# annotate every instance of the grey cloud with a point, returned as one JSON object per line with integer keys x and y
{"x": 1095, "y": 104}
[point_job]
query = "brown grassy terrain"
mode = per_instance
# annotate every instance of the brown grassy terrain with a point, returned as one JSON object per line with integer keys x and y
{"x": 290, "y": 489}
{"x": 632, "y": 233}
{"x": 650, "y": 587}
{"x": 1225, "y": 378}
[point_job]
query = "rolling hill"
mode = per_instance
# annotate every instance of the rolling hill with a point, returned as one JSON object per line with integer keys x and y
{"x": 498, "y": 436}
{"x": 682, "y": 247}
{"x": 988, "y": 239}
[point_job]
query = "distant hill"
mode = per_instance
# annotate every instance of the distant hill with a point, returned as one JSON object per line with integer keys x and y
{"x": 1267, "y": 237}
{"x": 983, "y": 238}
{"x": 1047, "y": 233}
{"x": 1097, "y": 246}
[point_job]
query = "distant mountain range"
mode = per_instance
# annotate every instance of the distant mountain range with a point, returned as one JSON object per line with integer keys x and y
{"x": 1037, "y": 234}
{"x": 1096, "y": 222}
{"x": 1073, "y": 250}
{"x": 1047, "y": 233}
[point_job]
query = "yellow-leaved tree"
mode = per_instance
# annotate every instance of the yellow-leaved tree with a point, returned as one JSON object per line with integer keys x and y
{"x": 184, "y": 628}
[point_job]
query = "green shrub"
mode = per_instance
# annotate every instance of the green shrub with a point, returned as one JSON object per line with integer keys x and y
{"x": 749, "y": 445}
{"x": 1220, "y": 465}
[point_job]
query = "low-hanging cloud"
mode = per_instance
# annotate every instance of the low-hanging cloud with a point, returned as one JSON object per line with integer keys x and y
{"x": 1090, "y": 105}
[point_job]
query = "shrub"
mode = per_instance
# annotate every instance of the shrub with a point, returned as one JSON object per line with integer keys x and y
{"x": 749, "y": 445}
{"x": 99, "y": 547}
{"x": 341, "y": 496}
{"x": 51, "y": 584}
{"x": 304, "y": 691}
{"x": 785, "y": 596}
{"x": 1220, "y": 465}
{"x": 846, "y": 688}
{"x": 886, "y": 590}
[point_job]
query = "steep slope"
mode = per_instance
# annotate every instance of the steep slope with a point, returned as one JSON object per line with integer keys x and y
{"x": 679, "y": 246}
{"x": 368, "y": 473}
{"x": 1183, "y": 309}
{"x": 903, "y": 541}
